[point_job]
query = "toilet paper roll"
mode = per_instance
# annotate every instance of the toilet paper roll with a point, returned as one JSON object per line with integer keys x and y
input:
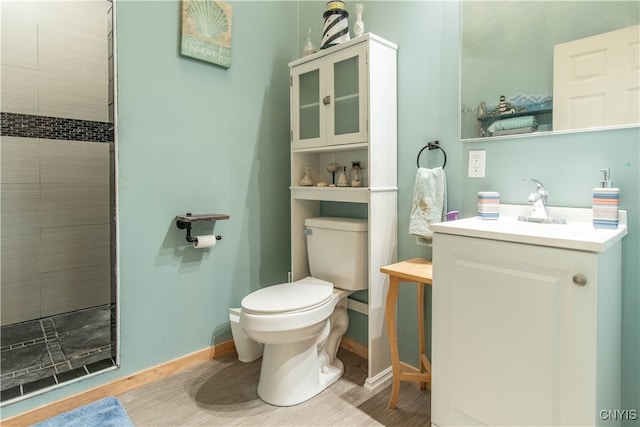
{"x": 204, "y": 241}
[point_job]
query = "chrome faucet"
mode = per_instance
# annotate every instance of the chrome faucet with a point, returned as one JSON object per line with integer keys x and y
{"x": 539, "y": 200}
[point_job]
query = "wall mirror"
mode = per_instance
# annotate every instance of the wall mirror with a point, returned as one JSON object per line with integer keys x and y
{"x": 58, "y": 271}
{"x": 549, "y": 60}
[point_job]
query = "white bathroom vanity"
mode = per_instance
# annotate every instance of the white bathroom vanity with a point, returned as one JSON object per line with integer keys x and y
{"x": 526, "y": 320}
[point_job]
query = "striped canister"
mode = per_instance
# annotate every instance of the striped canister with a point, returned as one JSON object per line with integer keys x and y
{"x": 488, "y": 204}
{"x": 336, "y": 25}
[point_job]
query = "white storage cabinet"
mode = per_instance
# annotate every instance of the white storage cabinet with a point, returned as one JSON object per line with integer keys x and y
{"x": 343, "y": 109}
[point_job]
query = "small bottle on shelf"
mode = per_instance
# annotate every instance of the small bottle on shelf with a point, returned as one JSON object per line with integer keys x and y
{"x": 343, "y": 181}
{"x": 355, "y": 174}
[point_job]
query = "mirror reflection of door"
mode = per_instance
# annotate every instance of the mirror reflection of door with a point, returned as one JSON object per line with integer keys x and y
{"x": 596, "y": 80}
{"x": 507, "y": 48}
{"x": 57, "y": 194}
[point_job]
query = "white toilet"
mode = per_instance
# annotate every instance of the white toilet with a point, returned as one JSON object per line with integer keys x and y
{"x": 301, "y": 323}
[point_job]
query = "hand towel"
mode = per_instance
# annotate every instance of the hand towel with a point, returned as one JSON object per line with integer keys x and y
{"x": 429, "y": 203}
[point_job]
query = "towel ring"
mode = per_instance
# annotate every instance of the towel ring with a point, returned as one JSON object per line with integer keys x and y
{"x": 433, "y": 145}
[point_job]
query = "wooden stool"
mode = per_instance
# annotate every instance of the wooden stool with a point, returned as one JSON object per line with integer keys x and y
{"x": 420, "y": 271}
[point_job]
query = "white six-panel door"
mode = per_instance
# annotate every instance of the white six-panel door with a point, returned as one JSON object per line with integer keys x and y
{"x": 596, "y": 81}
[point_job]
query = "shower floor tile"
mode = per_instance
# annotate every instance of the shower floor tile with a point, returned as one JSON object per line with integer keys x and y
{"x": 21, "y": 332}
{"x": 45, "y": 352}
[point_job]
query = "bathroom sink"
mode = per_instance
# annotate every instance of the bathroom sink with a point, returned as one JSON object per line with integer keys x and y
{"x": 576, "y": 232}
{"x": 542, "y": 220}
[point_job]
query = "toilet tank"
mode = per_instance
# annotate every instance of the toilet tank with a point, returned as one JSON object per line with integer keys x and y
{"x": 338, "y": 251}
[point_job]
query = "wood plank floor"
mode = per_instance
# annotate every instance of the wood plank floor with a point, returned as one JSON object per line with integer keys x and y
{"x": 222, "y": 392}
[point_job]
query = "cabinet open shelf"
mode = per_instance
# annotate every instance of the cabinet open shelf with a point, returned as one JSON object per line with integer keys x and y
{"x": 331, "y": 194}
{"x": 332, "y": 148}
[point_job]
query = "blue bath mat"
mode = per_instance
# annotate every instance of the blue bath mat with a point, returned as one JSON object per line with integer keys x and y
{"x": 107, "y": 412}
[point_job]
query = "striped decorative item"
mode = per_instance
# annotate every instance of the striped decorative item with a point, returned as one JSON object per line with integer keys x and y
{"x": 605, "y": 207}
{"x": 488, "y": 204}
{"x": 336, "y": 25}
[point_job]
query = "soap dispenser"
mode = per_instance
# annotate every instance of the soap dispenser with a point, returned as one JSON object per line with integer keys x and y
{"x": 605, "y": 202}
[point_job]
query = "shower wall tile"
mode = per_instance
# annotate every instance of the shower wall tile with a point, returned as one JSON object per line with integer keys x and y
{"x": 19, "y": 89}
{"x": 20, "y": 230}
{"x": 69, "y": 87}
{"x": 70, "y": 290}
{"x": 78, "y": 203}
{"x": 78, "y": 99}
{"x": 75, "y": 183}
{"x": 20, "y": 209}
{"x": 20, "y": 301}
{"x": 54, "y": 86}
{"x": 73, "y": 161}
{"x": 55, "y": 227}
{"x": 87, "y": 18}
{"x": 20, "y": 258}
{"x": 19, "y": 35}
{"x": 20, "y": 275}
{"x": 74, "y": 247}
{"x": 20, "y": 159}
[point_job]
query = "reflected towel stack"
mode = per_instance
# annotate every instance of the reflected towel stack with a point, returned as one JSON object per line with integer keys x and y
{"x": 488, "y": 204}
{"x": 523, "y": 124}
{"x": 605, "y": 207}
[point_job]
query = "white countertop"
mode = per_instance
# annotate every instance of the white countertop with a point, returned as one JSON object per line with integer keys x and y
{"x": 577, "y": 234}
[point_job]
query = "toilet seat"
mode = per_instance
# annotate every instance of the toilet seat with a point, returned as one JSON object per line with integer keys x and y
{"x": 288, "y": 306}
{"x": 289, "y": 298}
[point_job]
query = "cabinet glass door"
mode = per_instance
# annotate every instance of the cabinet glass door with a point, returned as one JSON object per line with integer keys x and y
{"x": 307, "y": 118}
{"x": 346, "y": 96}
{"x": 347, "y": 118}
{"x": 309, "y": 106}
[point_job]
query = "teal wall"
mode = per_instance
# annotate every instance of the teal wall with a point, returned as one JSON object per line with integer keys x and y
{"x": 195, "y": 137}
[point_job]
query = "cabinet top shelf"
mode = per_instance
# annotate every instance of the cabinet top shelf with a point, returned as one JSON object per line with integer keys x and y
{"x": 323, "y": 52}
{"x": 325, "y": 148}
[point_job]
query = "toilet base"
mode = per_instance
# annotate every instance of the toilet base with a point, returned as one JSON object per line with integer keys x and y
{"x": 295, "y": 371}
{"x": 291, "y": 374}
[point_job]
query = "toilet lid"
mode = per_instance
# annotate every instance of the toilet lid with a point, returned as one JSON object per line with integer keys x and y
{"x": 302, "y": 295}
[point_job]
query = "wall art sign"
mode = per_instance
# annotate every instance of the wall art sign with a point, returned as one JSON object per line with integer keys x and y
{"x": 206, "y": 31}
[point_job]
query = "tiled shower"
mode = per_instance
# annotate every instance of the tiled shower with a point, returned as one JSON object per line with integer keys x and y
{"x": 57, "y": 156}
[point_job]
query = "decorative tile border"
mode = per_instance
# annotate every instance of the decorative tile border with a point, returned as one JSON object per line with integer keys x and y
{"x": 30, "y": 126}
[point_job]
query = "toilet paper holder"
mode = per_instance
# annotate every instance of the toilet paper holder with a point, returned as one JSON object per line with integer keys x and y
{"x": 184, "y": 222}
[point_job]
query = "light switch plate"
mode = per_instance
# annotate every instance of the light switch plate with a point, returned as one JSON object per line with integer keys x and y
{"x": 476, "y": 163}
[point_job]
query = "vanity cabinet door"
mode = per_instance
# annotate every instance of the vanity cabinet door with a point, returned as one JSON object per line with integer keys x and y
{"x": 329, "y": 99}
{"x": 514, "y": 338}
